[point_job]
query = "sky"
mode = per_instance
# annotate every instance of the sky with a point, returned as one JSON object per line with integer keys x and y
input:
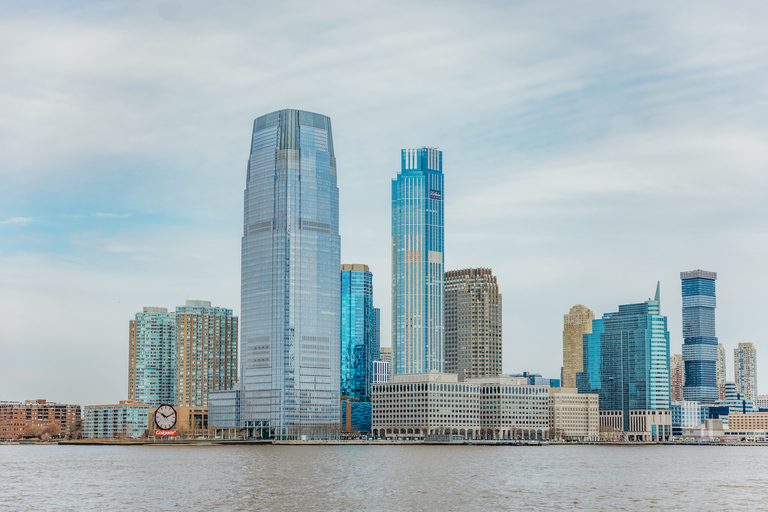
{"x": 590, "y": 149}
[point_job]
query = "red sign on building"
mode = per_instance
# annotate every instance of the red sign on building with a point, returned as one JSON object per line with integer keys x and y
{"x": 161, "y": 433}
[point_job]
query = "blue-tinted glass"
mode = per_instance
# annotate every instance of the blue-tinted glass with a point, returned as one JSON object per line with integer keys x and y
{"x": 699, "y": 340}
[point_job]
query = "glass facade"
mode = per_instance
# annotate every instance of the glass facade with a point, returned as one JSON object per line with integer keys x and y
{"x": 152, "y": 357}
{"x": 699, "y": 341}
{"x": 633, "y": 361}
{"x": 290, "y": 283}
{"x": 417, "y": 262}
{"x": 357, "y": 332}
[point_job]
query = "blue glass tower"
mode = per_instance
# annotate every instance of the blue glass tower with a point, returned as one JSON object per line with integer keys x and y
{"x": 633, "y": 347}
{"x": 417, "y": 262}
{"x": 699, "y": 341}
{"x": 357, "y": 332}
{"x": 290, "y": 285}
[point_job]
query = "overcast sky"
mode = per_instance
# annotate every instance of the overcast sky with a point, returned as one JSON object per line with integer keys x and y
{"x": 590, "y": 149}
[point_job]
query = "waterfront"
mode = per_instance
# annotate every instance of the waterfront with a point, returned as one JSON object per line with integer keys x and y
{"x": 306, "y": 478}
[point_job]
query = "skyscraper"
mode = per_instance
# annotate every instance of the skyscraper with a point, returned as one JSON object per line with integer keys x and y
{"x": 152, "y": 357}
{"x": 720, "y": 369}
{"x": 206, "y": 352}
{"x": 676, "y": 378}
{"x": 357, "y": 336}
{"x": 290, "y": 288}
{"x": 699, "y": 341}
{"x": 576, "y": 324}
{"x": 472, "y": 323}
{"x": 745, "y": 371}
{"x": 417, "y": 262}
{"x": 634, "y": 359}
{"x": 385, "y": 355}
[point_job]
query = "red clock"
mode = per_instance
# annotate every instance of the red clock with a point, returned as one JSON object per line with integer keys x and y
{"x": 165, "y": 417}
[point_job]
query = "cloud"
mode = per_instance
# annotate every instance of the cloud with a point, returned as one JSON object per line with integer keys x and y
{"x": 18, "y": 220}
{"x": 112, "y": 215}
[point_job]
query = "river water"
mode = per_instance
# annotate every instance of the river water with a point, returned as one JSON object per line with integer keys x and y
{"x": 306, "y": 478}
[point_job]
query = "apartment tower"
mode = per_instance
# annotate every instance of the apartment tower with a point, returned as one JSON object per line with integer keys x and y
{"x": 417, "y": 262}
{"x": 472, "y": 323}
{"x": 576, "y": 324}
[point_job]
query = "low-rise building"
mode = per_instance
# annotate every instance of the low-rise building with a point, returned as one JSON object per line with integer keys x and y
{"x": 355, "y": 416}
{"x": 16, "y": 417}
{"x": 687, "y": 414}
{"x": 190, "y": 421}
{"x": 127, "y": 419}
{"x": 510, "y": 408}
{"x": 574, "y": 415}
{"x": 422, "y": 404}
{"x": 749, "y": 421}
{"x": 650, "y": 425}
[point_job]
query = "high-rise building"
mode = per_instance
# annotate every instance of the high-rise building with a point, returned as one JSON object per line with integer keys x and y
{"x": 745, "y": 370}
{"x": 206, "y": 352}
{"x": 721, "y": 376}
{"x": 290, "y": 288}
{"x": 472, "y": 323}
{"x": 676, "y": 378}
{"x": 576, "y": 324}
{"x": 699, "y": 340}
{"x": 634, "y": 360}
{"x": 152, "y": 352}
{"x": 357, "y": 331}
{"x": 417, "y": 262}
{"x": 376, "y": 343}
{"x": 385, "y": 354}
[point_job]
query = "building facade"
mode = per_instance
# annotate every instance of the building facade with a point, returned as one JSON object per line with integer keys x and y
{"x": 633, "y": 360}
{"x": 676, "y": 377}
{"x": 152, "y": 353}
{"x": 699, "y": 339}
{"x": 206, "y": 357}
{"x": 16, "y": 417}
{"x": 472, "y": 323}
{"x": 745, "y": 370}
{"x": 290, "y": 284}
{"x": 127, "y": 419}
{"x": 385, "y": 355}
{"x": 418, "y": 263}
{"x": 382, "y": 372}
{"x": 720, "y": 369}
{"x": 574, "y": 415}
{"x": 576, "y": 324}
{"x": 357, "y": 332}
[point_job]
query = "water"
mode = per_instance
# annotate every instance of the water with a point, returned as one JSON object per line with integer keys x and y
{"x": 306, "y": 478}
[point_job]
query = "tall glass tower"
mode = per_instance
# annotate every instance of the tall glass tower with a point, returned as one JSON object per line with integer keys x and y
{"x": 290, "y": 282}
{"x": 633, "y": 344}
{"x": 699, "y": 341}
{"x": 152, "y": 357}
{"x": 357, "y": 332}
{"x": 417, "y": 262}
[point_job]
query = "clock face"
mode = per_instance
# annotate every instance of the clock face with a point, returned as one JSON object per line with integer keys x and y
{"x": 165, "y": 417}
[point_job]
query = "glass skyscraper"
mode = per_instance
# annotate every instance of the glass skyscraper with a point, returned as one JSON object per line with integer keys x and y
{"x": 634, "y": 359}
{"x": 699, "y": 341}
{"x": 357, "y": 332}
{"x": 290, "y": 283}
{"x": 417, "y": 262}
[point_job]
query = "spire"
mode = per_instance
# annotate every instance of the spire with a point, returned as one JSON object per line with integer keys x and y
{"x": 658, "y": 294}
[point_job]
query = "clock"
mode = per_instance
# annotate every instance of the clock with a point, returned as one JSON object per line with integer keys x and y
{"x": 165, "y": 417}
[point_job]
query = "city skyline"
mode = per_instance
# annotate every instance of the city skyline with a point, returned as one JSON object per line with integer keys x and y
{"x": 578, "y": 146}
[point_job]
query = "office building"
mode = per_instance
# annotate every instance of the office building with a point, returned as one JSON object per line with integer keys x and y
{"x": 687, "y": 415}
{"x": 472, "y": 323}
{"x": 576, "y": 324}
{"x": 33, "y": 416}
{"x": 357, "y": 335}
{"x": 206, "y": 352}
{"x": 290, "y": 283}
{"x": 699, "y": 340}
{"x": 573, "y": 415}
{"x": 152, "y": 352}
{"x": 355, "y": 416}
{"x": 745, "y": 370}
{"x": 417, "y": 262}
{"x": 748, "y": 421}
{"x": 385, "y": 354}
{"x": 376, "y": 343}
{"x": 127, "y": 419}
{"x": 762, "y": 401}
{"x": 633, "y": 362}
{"x": 676, "y": 377}
{"x": 382, "y": 372}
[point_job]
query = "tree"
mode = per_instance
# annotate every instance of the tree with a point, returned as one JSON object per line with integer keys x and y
{"x": 31, "y": 430}
{"x": 52, "y": 430}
